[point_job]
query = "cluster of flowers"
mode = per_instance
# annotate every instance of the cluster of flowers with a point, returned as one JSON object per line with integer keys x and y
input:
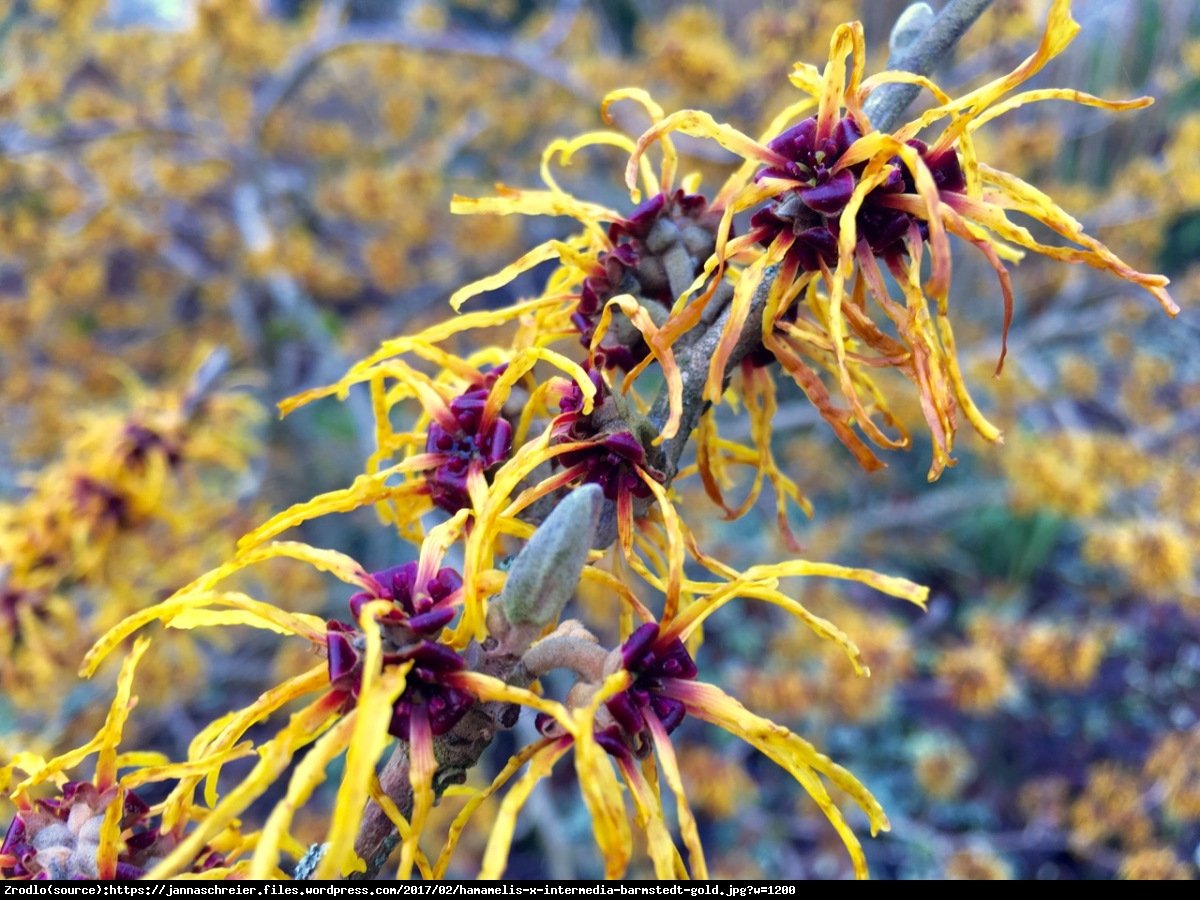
{"x": 437, "y": 656}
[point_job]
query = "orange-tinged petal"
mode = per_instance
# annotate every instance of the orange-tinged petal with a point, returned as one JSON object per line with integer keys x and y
{"x": 114, "y": 725}
{"x": 687, "y": 821}
{"x": 599, "y": 786}
{"x": 739, "y": 309}
{"x": 675, "y": 545}
{"x": 421, "y": 768}
{"x": 810, "y": 382}
{"x": 109, "y": 846}
{"x": 650, "y": 818}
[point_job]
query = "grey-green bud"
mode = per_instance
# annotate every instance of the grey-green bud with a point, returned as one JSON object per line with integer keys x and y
{"x": 545, "y": 573}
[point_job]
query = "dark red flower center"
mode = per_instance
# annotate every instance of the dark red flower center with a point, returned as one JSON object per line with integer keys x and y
{"x": 810, "y": 212}
{"x": 651, "y": 661}
{"x": 469, "y": 441}
{"x": 418, "y": 614}
{"x": 667, "y": 230}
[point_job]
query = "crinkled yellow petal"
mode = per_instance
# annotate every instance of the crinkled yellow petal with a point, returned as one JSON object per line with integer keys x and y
{"x": 897, "y": 76}
{"x": 377, "y": 695}
{"x": 833, "y": 81}
{"x": 567, "y": 148}
{"x": 1069, "y": 94}
{"x": 636, "y": 94}
{"x": 660, "y": 351}
{"x": 789, "y": 751}
{"x": 104, "y": 743}
{"x": 491, "y": 689}
{"x": 670, "y": 157}
{"x": 23, "y": 761}
{"x": 478, "y": 798}
{"x": 495, "y": 856}
{"x": 306, "y": 778}
{"x": 1025, "y": 198}
{"x": 524, "y": 362}
{"x": 892, "y": 585}
{"x": 650, "y": 818}
{"x": 698, "y": 612}
{"x": 392, "y": 811}
{"x": 687, "y": 821}
{"x": 538, "y": 203}
{"x": 1059, "y": 32}
{"x": 222, "y": 734}
{"x": 303, "y": 728}
{"x": 482, "y": 539}
{"x": 807, "y": 78}
{"x": 698, "y": 124}
{"x": 261, "y": 616}
{"x": 619, "y": 588}
{"x": 170, "y": 771}
{"x": 526, "y": 261}
{"x": 141, "y": 758}
{"x": 363, "y": 491}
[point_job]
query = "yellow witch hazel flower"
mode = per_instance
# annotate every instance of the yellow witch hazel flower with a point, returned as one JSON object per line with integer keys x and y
{"x": 504, "y": 452}
{"x": 837, "y": 203}
{"x": 397, "y": 672}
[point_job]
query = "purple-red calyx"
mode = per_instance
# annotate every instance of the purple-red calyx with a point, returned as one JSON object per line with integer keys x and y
{"x": 611, "y": 458}
{"x": 465, "y": 438}
{"x": 422, "y": 608}
{"x": 810, "y": 211}
{"x": 419, "y": 612}
{"x": 654, "y": 663}
{"x": 636, "y": 265}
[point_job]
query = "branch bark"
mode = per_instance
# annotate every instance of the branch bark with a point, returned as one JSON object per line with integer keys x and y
{"x": 888, "y": 103}
{"x": 885, "y": 106}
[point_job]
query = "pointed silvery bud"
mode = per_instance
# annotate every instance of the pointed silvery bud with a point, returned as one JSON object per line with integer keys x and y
{"x": 545, "y": 573}
{"x": 913, "y": 22}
